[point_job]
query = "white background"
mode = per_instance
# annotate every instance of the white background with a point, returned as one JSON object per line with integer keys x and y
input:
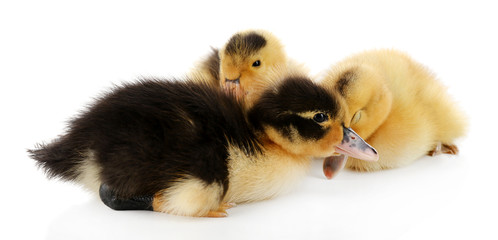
{"x": 55, "y": 56}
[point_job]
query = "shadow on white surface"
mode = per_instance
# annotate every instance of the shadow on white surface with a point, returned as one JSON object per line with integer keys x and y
{"x": 381, "y": 205}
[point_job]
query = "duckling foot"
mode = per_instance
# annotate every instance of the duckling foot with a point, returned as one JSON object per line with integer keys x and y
{"x": 227, "y": 205}
{"x": 220, "y": 212}
{"x": 333, "y": 165}
{"x": 442, "y": 148}
{"x": 217, "y": 214}
{"x": 111, "y": 199}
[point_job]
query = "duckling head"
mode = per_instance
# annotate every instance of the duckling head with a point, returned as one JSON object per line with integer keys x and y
{"x": 245, "y": 61}
{"x": 368, "y": 105}
{"x": 304, "y": 119}
{"x": 368, "y": 98}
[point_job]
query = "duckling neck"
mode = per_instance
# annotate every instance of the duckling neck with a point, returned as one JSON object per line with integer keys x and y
{"x": 277, "y": 149}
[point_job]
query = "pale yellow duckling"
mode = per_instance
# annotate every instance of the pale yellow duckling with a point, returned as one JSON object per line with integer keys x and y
{"x": 242, "y": 66}
{"x": 398, "y": 106}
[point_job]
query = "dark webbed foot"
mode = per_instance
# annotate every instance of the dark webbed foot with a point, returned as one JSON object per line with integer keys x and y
{"x": 112, "y": 200}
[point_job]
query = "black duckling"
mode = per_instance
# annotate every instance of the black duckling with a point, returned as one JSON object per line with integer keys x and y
{"x": 186, "y": 148}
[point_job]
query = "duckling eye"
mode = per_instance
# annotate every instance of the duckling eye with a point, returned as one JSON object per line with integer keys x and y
{"x": 320, "y": 117}
{"x": 256, "y": 64}
{"x": 356, "y": 117}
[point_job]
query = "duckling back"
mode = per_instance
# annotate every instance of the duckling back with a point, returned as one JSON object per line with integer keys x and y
{"x": 161, "y": 119}
{"x": 416, "y": 89}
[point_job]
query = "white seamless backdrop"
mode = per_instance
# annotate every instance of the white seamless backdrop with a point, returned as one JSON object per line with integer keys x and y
{"x": 56, "y": 56}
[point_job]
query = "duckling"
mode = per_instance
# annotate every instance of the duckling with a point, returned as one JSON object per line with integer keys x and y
{"x": 241, "y": 67}
{"x": 186, "y": 148}
{"x": 398, "y": 106}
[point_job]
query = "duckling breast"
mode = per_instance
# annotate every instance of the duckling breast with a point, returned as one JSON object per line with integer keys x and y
{"x": 262, "y": 176}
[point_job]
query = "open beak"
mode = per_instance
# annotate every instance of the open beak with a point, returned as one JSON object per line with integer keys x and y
{"x": 352, "y": 145}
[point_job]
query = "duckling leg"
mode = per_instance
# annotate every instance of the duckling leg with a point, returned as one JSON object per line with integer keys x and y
{"x": 436, "y": 150}
{"x": 191, "y": 197}
{"x": 442, "y": 148}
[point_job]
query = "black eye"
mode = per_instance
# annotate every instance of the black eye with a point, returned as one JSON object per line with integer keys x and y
{"x": 256, "y": 64}
{"x": 320, "y": 117}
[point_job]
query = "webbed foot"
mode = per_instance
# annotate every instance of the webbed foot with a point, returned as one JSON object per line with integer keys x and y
{"x": 442, "y": 148}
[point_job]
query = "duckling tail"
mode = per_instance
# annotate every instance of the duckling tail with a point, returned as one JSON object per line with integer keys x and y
{"x": 59, "y": 159}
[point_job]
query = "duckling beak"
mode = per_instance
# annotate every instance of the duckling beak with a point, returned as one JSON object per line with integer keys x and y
{"x": 236, "y": 81}
{"x": 232, "y": 87}
{"x": 352, "y": 145}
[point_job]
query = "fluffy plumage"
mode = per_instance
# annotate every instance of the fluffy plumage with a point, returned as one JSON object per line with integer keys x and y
{"x": 189, "y": 148}
{"x": 161, "y": 120}
{"x": 243, "y": 65}
{"x": 397, "y": 105}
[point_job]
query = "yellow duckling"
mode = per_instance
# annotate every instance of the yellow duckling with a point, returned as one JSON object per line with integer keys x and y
{"x": 398, "y": 106}
{"x": 242, "y": 66}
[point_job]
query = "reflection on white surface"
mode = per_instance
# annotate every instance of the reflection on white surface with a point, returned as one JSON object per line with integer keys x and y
{"x": 353, "y": 206}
